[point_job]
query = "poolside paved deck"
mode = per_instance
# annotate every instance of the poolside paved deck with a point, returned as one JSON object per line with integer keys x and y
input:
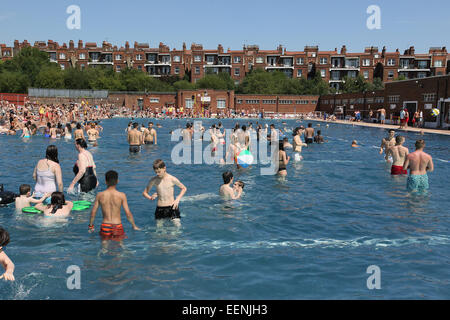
{"x": 388, "y": 126}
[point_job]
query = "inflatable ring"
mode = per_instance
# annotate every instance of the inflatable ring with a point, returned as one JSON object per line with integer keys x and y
{"x": 81, "y": 205}
{"x": 31, "y": 210}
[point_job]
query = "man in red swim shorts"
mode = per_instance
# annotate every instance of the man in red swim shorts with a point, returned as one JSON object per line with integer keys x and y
{"x": 398, "y": 153}
{"x": 111, "y": 201}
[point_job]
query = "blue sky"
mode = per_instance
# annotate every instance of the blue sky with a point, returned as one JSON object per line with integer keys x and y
{"x": 232, "y": 23}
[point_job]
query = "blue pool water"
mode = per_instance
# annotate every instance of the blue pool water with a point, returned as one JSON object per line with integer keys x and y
{"x": 312, "y": 236}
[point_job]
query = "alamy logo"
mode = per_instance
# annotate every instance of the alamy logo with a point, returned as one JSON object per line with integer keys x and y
{"x": 217, "y": 153}
{"x": 74, "y": 281}
{"x": 374, "y": 20}
{"x": 74, "y": 20}
{"x": 374, "y": 281}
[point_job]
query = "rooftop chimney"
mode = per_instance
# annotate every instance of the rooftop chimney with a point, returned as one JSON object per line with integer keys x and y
{"x": 80, "y": 44}
{"x": 71, "y": 44}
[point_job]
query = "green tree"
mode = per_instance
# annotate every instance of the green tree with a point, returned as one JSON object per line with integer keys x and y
{"x": 221, "y": 81}
{"x": 184, "y": 85}
{"x": 50, "y": 77}
{"x": 14, "y": 82}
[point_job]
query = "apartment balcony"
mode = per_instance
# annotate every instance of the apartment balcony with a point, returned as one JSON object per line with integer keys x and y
{"x": 101, "y": 62}
{"x": 219, "y": 65}
{"x": 413, "y": 69}
{"x": 273, "y": 67}
{"x": 157, "y": 63}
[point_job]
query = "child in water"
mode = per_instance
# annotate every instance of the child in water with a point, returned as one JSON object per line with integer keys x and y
{"x": 25, "y": 199}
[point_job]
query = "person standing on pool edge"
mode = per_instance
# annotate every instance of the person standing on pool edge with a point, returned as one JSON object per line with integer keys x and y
{"x": 418, "y": 163}
{"x": 84, "y": 169}
{"x": 167, "y": 206}
{"x": 111, "y": 201}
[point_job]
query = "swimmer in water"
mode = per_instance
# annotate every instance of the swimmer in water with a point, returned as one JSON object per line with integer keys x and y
{"x": 355, "y": 144}
{"x": 135, "y": 139}
{"x": 25, "y": 199}
{"x": 150, "y": 134}
{"x": 167, "y": 207}
{"x": 58, "y": 206}
{"x": 111, "y": 201}
{"x": 78, "y": 133}
{"x": 226, "y": 191}
{"x": 309, "y": 134}
{"x": 388, "y": 142}
{"x": 84, "y": 169}
{"x": 398, "y": 154}
{"x": 5, "y": 261}
{"x": 283, "y": 160}
{"x": 418, "y": 163}
{"x": 298, "y": 144}
{"x": 92, "y": 134}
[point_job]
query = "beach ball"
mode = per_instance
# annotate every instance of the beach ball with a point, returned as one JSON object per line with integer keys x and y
{"x": 435, "y": 112}
{"x": 245, "y": 158}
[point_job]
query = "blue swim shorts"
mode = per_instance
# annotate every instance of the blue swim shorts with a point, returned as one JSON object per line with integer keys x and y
{"x": 417, "y": 182}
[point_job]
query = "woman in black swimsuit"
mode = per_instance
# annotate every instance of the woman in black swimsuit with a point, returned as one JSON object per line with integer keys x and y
{"x": 283, "y": 160}
{"x": 84, "y": 169}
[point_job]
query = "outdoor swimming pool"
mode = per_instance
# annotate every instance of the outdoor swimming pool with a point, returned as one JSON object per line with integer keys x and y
{"x": 309, "y": 237}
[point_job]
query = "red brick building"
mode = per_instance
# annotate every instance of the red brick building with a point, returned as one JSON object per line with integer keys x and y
{"x": 333, "y": 66}
{"x": 414, "y": 95}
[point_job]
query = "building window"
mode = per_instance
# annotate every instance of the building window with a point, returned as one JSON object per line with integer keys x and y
{"x": 421, "y": 75}
{"x": 139, "y": 57}
{"x": 62, "y": 56}
{"x": 176, "y": 58}
{"x": 197, "y": 70}
{"x": 177, "y": 70}
{"x": 118, "y": 68}
{"x": 391, "y": 74}
{"x": 366, "y": 74}
{"x": 82, "y": 66}
{"x": 237, "y": 59}
{"x": 139, "y": 68}
{"x": 422, "y": 64}
{"x": 393, "y": 99}
{"x": 197, "y": 58}
{"x": 237, "y": 71}
{"x": 63, "y": 66}
{"x": 379, "y": 99}
{"x": 438, "y": 63}
{"x": 300, "y": 61}
{"x": 352, "y": 74}
{"x": 299, "y": 73}
{"x": 118, "y": 57}
{"x": 366, "y": 62}
{"x": 259, "y": 60}
{"x": 239, "y": 101}
{"x": 210, "y": 59}
{"x": 221, "y": 103}
{"x": 188, "y": 103}
{"x": 391, "y": 62}
{"x": 429, "y": 97}
{"x": 323, "y": 60}
{"x": 313, "y": 54}
{"x": 52, "y": 56}
{"x": 82, "y": 56}
{"x": 323, "y": 73}
{"x": 154, "y": 100}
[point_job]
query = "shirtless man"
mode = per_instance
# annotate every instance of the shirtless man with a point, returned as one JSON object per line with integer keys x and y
{"x": 388, "y": 142}
{"x": 226, "y": 191}
{"x": 92, "y": 134}
{"x": 167, "y": 206}
{"x": 111, "y": 201}
{"x": 398, "y": 153}
{"x": 382, "y": 112}
{"x": 309, "y": 134}
{"x": 187, "y": 134}
{"x": 418, "y": 163}
{"x": 135, "y": 139}
{"x": 78, "y": 133}
{"x": 150, "y": 135}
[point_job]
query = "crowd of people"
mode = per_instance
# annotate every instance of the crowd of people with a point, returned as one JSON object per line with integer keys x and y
{"x": 82, "y": 124}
